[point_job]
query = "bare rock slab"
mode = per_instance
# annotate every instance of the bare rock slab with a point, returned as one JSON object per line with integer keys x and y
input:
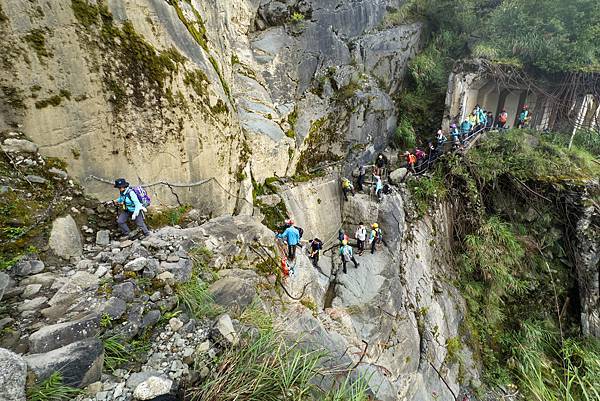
{"x": 55, "y": 336}
{"x": 80, "y": 363}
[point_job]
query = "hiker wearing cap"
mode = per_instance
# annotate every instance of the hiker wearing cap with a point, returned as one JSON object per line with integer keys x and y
{"x": 131, "y": 208}
{"x": 375, "y": 237}
{"x": 291, "y": 235}
{"x": 361, "y": 237}
{"x": 347, "y": 255}
{"x": 502, "y": 119}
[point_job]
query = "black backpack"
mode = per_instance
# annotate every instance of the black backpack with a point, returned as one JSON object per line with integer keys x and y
{"x": 300, "y": 230}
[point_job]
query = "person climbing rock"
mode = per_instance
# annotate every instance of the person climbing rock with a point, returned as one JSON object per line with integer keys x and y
{"x": 315, "y": 245}
{"x": 362, "y": 171}
{"x": 375, "y": 237}
{"x": 465, "y": 129}
{"x": 347, "y": 255}
{"x": 524, "y": 117}
{"x": 131, "y": 208}
{"x": 454, "y": 133}
{"x": 380, "y": 164}
{"x": 342, "y": 236}
{"x": 502, "y": 119}
{"x": 411, "y": 160}
{"x": 489, "y": 122}
{"x": 378, "y": 187}
{"x": 291, "y": 235}
{"x": 421, "y": 156}
{"x": 361, "y": 237}
{"x": 347, "y": 187}
{"x": 441, "y": 140}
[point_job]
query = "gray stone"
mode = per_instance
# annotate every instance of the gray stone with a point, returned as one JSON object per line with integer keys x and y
{"x": 80, "y": 363}
{"x": 31, "y": 290}
{"x": 74, "y": 288}
{"x": 125, "y": 291}
{"x": 223, "y": 330}
{"x": 139, "y": 377}
{"x": 45, "y": 279}
{"x": 5, "y": 283}
{"x": 28, "y": 267}
{"x": 152, "y": 387}
{"x": 115, "y": 307}
{"x": 182, "y": 270}
{"x": 13, "y": 145}
{"x": 231, "y": 291}
{"x": 175, "y": 324}
{"x": 151, "y": 318}
{"x": 36, "y": 179}
{"x": 58, "y": 172}
{"x": 13, "y": 374}
{"x": 65, "y": 239}
{"x": 51, "y": 337}
{"x": 137, "y": 264}
{"x": 101, "y": 271}
{"x": 398, "y": 176}
{"x": 167, "y": 277}
{"x": 103, "y": 238}
{"x": 32, "y": 304}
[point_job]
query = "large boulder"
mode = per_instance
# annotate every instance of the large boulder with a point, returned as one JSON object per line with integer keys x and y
{"x": 74, "y": 287}
{"x": 51, "y": 337}
{"x": 65, "y": 239}
{"x": 232, "y": 292}
{"x": 80, "y": 363}
{"x": 28, "y": 267}
{"x": 230, "y": 239}
{"x": 14, "y": 145}
{"x": 182, "y": 270}
{"x": 5, "y": 283}
{"x": 13, "y": 374}
{"x": 398, "y": 176}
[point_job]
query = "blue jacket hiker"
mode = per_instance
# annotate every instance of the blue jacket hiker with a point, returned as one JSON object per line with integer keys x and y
{"x": 291, "y": 235}
{"x": 347, "y": 255}
{"x": 131, "y": 208}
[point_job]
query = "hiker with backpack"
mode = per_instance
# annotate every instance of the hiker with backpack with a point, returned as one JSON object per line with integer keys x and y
{"x": 502, "y": 119}
{"x": 347, "y": 255}
{"x": 378, "y": 187}
{"x": 524, "y": 117}
{"x": 376, "y": 236}
{"x": 315, "y": 246}
{"x": 421, "y": 156}
{"x": 133, "y": 203}
{"x": 411, "y": 160}
{"x": 342, "y": 235}
{"x": 380, "y": 164}
{"x": 347, "y": 187}
{"x": 361, "y": 237}
{"x": 291, "y": 235}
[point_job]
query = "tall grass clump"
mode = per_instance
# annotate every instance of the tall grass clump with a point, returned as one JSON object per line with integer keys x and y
{"x": 118, "y": 352}
{"x": 263, "y": 368}
{"x": 549, "y": 369}
{"x": 52, "y": 389}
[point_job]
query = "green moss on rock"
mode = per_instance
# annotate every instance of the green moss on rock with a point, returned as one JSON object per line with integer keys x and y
{"x": 84, "y": 12}
{"x": 37, "y": 41}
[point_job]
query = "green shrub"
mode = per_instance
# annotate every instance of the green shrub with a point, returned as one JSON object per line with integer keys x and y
{"x": 404, "y": 136}
{"x": 297, "y": 17}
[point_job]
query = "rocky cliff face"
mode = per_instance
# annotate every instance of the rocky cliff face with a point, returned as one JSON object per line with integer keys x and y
{"x": 185, "y": 92}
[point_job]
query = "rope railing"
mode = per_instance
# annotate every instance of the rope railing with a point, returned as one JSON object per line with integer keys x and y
{"x": 448, "y": 147}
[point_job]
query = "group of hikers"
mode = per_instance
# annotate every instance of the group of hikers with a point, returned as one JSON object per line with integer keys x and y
{"x": 478, "y": 120}
{"x": 292, "y": 236}
{"x": 379, "y": 170}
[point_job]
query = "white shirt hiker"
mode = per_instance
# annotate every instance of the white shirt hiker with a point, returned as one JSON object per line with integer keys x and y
{"x": 361, "y": 233}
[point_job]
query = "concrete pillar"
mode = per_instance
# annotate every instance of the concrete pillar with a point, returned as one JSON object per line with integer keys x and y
{"x": 512, "y": 104}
